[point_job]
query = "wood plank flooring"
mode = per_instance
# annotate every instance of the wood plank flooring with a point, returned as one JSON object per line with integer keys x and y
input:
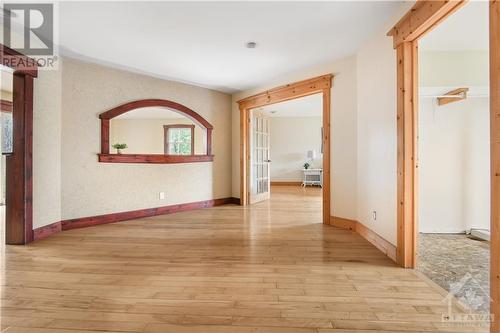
{"x": 272, "y": 267}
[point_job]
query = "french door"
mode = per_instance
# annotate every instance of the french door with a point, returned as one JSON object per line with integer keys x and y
{"x": 259, "y": 159}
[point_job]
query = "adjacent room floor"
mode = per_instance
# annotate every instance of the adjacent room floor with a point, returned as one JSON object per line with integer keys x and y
{"x": 272, "y": 267}
{"x": 458, "y": 264}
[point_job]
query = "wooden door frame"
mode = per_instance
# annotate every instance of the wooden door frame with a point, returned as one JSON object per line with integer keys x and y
{"x": 321, "y": 84}
{"x": 19, "y": 165}
{"x": 420, "y": 19}
{"x": 423, "y": 17}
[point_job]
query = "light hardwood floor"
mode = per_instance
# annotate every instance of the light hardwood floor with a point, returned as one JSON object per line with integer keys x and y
{"x": 272, "y": 267}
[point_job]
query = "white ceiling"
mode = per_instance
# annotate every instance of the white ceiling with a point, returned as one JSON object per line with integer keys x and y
{"x": 204, "y": 42}
{"x": 466, "y": 29}
{"x": 310, "y": 106}
{"x": 151, "y": 113}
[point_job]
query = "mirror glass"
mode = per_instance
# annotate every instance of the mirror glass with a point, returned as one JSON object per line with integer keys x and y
{"x": 156, "y": 130}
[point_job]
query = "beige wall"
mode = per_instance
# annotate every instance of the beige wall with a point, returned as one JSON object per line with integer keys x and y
{"x": 454, "y": 166}
{"x": 47, "y": 148}
{"x": 92, "y": 188}
{"x": 343, "y": 131}
{"x": 376, "y": 132}
{"x": 291, "y": 138}
{"x": 6, "y": 95}
{"x": 146, "y": 136}
{"x": 453, "y": 68}
{"x": 454, "y": 158}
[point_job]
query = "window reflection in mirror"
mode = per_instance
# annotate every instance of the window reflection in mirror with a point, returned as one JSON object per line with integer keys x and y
{"x": 156, "y": 130}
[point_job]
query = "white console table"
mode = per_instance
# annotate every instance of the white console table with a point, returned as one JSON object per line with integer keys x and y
{"x": 313, "y": 177}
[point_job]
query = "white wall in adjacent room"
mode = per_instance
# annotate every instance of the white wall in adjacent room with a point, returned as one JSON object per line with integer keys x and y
{"x": 291, "y": 138}
{"x": 454, "y": 142}
{"x": 454, "y": 191}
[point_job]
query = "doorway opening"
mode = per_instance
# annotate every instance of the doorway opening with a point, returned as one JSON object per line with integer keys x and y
{"x": 453, "y": 179}
{"x": 286, "y": 153}
{"x": 318, "y": 85}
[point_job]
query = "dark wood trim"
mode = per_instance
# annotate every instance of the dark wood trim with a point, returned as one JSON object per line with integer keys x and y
{"x": 20, "y": 63}
{"x": 46, "y": 231}
{"x": 285, "y": 183}
{"x": 104, "y": 136}
{"x": 142, "y": 213}
{"x": 5, "y": 106}
{"x": 19, "y": 164}
{"x": 154, "y": 158}
{"x": 209, "y": 141}
{"x": 105, "y": 117}
{"x": 166, "y": 143}
{"x": 124, "y": 108}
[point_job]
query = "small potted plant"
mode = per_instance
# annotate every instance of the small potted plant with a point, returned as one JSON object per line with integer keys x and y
{"x": 306, "y": 165}
{"x": 119, "y": 147}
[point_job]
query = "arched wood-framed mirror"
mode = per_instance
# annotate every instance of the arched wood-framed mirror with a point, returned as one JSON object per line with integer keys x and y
{"x": 155, "y": 131}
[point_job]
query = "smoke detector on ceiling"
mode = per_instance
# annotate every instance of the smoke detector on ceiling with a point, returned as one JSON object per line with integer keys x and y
{"x": 251, "y": 45}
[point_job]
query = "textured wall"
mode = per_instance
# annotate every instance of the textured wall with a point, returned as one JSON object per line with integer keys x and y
{"x": 91, "y": 188}
{"x": 47, "y": 148}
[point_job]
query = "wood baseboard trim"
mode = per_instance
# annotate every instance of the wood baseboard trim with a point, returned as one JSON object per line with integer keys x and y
{"x": 343, "y": 223}
{"x": 380, "y": 243}
{"x": 142, "y": 213}
{"x": 47, "y": 230}
{"x": 278, "y": 183}
{"x": 371, "y": 236}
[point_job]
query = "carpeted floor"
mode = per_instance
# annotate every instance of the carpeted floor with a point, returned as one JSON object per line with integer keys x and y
{"x": 458, "y": 264}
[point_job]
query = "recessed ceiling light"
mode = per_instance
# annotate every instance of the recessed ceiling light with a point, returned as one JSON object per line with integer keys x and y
{"x": 251, "y": 45}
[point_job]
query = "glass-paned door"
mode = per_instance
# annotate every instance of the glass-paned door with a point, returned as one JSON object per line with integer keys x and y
{"x": 260, "y": 159}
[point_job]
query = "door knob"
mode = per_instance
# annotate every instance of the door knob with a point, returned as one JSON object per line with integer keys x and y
{"x": 268, "y": 161}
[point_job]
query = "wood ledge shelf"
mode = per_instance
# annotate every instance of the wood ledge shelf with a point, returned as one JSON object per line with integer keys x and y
{"x": 154, "y": 158}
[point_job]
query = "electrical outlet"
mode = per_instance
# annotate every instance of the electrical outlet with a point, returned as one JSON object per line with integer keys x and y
{"x": 162, "y": 196}
{"x": 374, "y": 215}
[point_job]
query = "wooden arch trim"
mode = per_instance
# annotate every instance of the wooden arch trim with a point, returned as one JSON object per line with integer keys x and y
{"x": 321, "y": 84}
{"x": 105, "y": 117}
{"x": 19, "y": 164}
{"x": 143, "y": 103}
